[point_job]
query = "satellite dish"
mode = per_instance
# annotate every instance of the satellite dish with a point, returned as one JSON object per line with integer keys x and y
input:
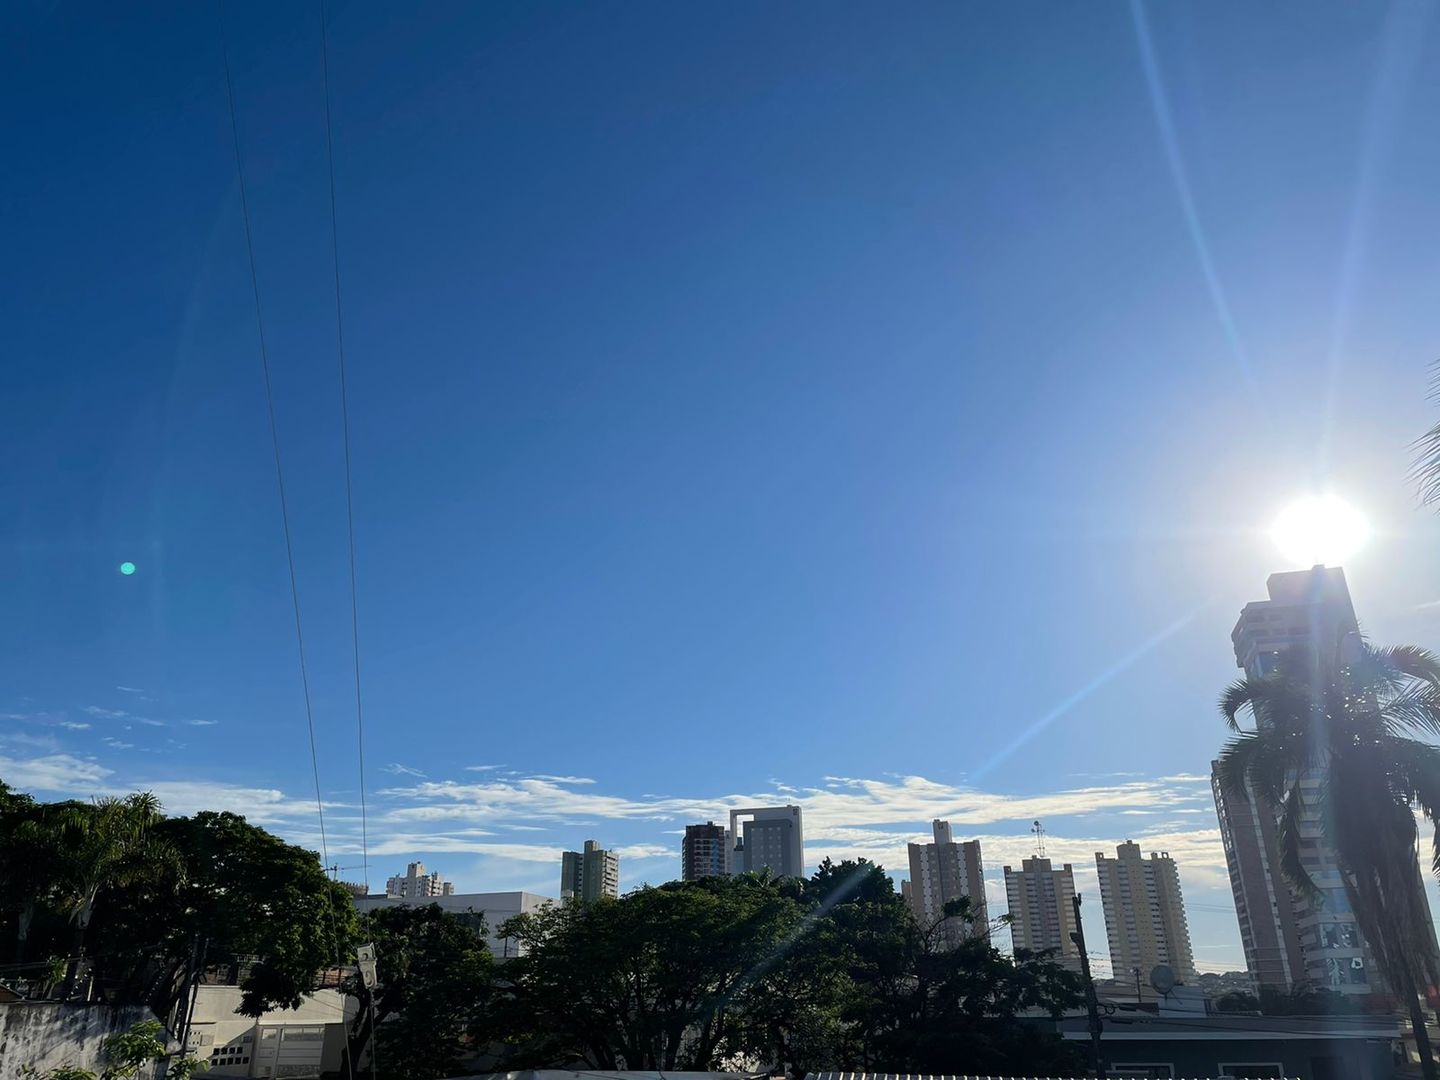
{"x": 1162, "y": 978}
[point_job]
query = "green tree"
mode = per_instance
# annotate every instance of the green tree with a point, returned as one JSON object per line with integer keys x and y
{"x": 108, "y": 843}
{"x": 263, "y": 908}
{"x": 29, "y": 872}
{"x": 655, "y": 980}
{"x": 436, "y": 979}
{"x": 830, "y": 973}
{"x": 147, "y": 891}
{"x": 917, "y": 1005}
{"x": 1349, "y": 716}
{"x": 126, "y": 1052}
{"x": 1237, "y": 1001}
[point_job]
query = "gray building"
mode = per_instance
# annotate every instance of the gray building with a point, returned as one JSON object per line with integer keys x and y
{"x": 1289, "y": 936}
{"x": 1042, "y": 915}
{"x": 767, "y": 837}
{"x": 1143, "y": 1044}
{"x": 943, "y": 871}
{"x": 705, "y": 851}
{"x": 589, "y": 874}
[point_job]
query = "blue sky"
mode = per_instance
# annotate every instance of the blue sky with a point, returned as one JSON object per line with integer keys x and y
{"x": 879, "y": 407}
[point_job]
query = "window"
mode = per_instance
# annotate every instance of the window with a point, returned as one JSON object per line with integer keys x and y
{"x": 1149, "y": 1069}
{"x": 1252, "y": 1070}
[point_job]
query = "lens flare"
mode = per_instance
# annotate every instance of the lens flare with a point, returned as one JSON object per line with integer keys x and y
{"x": 1320, "y": 529}
{"x": 127, "y": 568}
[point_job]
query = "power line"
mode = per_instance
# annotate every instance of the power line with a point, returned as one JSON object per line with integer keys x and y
{"x": 374, "y": 1035}
{"x": 279, "y": 469}
{"x": 345, "y": 427}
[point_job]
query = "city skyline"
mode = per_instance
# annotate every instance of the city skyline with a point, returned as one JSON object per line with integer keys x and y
{"x": 904, "y": 404}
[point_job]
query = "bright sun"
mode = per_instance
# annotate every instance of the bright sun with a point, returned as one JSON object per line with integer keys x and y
{"x": 1320, "y": 529}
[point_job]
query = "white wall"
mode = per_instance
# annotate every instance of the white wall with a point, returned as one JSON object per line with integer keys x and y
{"x": 46, "y": 1034}
{"x": 283, "y": 1042}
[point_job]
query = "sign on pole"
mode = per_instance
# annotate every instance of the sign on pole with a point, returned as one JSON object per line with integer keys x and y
{"x": 366, "y": 957}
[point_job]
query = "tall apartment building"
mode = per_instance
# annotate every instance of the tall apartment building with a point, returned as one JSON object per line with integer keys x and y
{"x": 944, "y": 871}
{"x": 1289, "y": 936}
{"x": 1042, "y": 913}
{"x": 417, "y": 883}
{"x": 705, "y": 851}
{"x": 1144, "y": 913}
{"x": 767, "y": 837}
{"x": 589, "y": 874}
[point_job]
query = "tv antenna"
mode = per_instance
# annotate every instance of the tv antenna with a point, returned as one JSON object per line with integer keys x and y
{"x": 1039, "y": 831}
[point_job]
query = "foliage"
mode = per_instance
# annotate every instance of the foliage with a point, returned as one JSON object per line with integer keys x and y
{"x": 127, "y": 1051}
{"x": 248, "y": 894}
{"x": 138, "y": 892}
{"x": 436, "y": 980}
{"x": 29, "y": 867}
{"x": 124, "y": 1053}
{"x": 1337, "y": 741}
{"x": 1237, "y": 1001}
{"x": 59, "y": 1072}
{"x": 1307, "y": 999}
{"x": 835, "y": 974}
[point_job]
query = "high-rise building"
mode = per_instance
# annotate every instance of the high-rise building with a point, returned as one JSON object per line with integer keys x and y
{"x": 1290, "y": 936}
{"x": 767, "y": 837}
{"x": 705, "y": 852}
{"x": 1144, "y": 913}
{"x": 417, "y": 883}
{"x": 589, "y": 874}
{"x": 1042, "y": 912}
{"x": 943, "y": 871}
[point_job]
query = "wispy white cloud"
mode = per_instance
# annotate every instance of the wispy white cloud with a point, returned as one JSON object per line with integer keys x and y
{"x": 117, "y": 744}
{"x": 483, "y": 768}
{"x": 73, "y": 725}
{"x": 35, "y": 742}
{"x": 562, "y": 779}
{"x": 104, "y": 714}
{"x": 648, "y": 851}
{"x": 130, "y": 689}
{"x": 203, "y": 723}
{"x": 63, "y": 774}
{"x": 396, "y": 769}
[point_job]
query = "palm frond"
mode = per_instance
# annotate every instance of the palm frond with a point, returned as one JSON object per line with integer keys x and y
{"x": 1418, "y": 776}
{"x": 1237, "y": 696}
{"x": 1411, "y": 661}
{"x": 1415, "y": 708}
{"x": 1425, "y": 468}
{"x": 1292, "y": 864}
{"x": 1253, "y": 761}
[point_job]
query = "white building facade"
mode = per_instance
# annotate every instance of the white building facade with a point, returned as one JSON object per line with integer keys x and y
{"x": 417, "y": 884}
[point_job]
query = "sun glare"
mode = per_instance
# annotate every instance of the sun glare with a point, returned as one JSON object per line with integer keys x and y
{"x": 1320, "y": 529}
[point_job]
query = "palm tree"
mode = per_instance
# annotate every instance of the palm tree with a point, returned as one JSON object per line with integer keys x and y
{"x": 27, "y": 861}
{"x": 1425, "y": 469}
{"x": 110, "y": 842}
{"x": 1351, "y": 720}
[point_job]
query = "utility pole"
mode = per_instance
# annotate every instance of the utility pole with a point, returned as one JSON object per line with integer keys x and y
{"x": 1092, "y": 1006}
{"x": 198, "y": 953}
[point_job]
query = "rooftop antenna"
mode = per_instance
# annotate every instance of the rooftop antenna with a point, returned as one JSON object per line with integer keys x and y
{"x": 1039, "y": 831}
